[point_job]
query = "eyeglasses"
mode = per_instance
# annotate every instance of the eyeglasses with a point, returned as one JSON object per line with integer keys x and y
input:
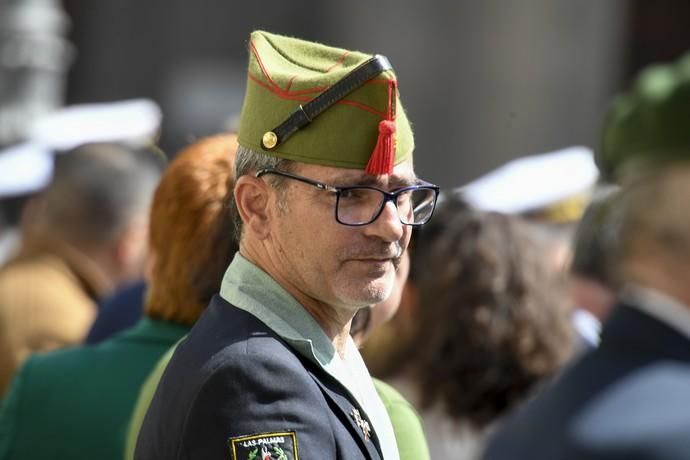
{"x": 359, "y": 205}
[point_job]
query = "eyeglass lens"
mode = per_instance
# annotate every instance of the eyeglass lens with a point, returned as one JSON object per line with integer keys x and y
{"x": 361, "y": 205}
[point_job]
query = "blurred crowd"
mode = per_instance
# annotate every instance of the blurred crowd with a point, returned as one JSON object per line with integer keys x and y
{"x": 543, "y": 312}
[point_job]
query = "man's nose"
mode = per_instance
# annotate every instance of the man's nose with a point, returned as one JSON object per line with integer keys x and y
{"x": 387, "y": 226}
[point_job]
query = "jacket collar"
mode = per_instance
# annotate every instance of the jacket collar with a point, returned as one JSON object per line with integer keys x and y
{"x": 659, "y": 305}
{"x": 633, "y": 330}
{"x": 153, "y": 330}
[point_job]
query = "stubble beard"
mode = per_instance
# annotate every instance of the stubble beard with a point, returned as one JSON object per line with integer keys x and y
{"x": 368, "y": 293}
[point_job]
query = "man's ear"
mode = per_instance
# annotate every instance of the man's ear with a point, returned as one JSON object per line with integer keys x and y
{"x": 252, "y": 199}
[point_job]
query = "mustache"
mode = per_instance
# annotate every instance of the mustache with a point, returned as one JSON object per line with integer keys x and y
{"x": 384, "y": 251}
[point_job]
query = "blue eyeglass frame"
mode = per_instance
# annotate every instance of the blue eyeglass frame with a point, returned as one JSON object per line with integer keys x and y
{"x": 387, "y": 196}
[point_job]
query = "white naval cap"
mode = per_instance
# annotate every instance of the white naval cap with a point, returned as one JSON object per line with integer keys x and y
{"x": 133, "y": 122}
{"x": 534, "y": 182}
{"x": 24, "y": 168}
{"x": 28, "y": 167}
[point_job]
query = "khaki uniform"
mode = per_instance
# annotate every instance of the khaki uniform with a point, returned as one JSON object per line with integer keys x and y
{"x": 48, "y": 296}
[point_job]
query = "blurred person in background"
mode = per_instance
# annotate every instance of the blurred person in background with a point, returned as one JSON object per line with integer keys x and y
{"x": 78, "y": 401}
{"x": 550, "y": 191}
{"x": 118, "y": 312}
{"x": 123, "y": 309}
{"x": 487, "y": 321}
{"x": 87, "y": 235}
{"x": 591, "y": 282}
{"x": 626, "y": 398}
{"x": 27, "y": 167}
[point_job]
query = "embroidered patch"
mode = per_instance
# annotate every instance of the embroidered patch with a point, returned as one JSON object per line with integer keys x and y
{"x": 264, "y": 446}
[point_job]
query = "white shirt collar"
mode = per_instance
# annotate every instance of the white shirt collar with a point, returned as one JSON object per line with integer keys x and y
{"x": 587, "y": 325}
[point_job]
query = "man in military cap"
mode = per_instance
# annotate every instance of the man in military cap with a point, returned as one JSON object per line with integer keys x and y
{"x": 325, "y": 198}
{"x": 626, "y": 398}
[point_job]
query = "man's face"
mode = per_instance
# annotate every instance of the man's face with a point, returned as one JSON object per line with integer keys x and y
{"x": 338, "y": 265}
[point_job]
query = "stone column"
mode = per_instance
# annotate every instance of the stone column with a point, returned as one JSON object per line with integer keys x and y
{"x": 34, "y": 57}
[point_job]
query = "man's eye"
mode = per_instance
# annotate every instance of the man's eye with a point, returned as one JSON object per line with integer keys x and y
{"x": 355, "y": 194}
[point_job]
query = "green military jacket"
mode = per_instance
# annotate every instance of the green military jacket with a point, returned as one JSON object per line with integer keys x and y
{"x": 76, "y": 403}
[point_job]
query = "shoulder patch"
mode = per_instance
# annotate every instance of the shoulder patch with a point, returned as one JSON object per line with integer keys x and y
{"x": 264, "y": 446}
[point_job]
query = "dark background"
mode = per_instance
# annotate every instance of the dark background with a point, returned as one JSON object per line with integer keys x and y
{"x": 482, "y": 80}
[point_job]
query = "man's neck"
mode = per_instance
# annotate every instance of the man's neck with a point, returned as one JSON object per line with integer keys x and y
{"x": 333, "y": 321}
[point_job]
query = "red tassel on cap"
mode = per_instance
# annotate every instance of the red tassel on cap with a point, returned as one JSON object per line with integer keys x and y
{"x": 381, "y": 160}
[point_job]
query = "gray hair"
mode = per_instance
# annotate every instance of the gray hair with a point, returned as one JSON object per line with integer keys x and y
{"x": 248, "y": 161}
{"x": 96, "y": 191}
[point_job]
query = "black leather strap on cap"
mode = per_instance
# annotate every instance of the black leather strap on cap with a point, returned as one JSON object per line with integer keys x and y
{"x": 305, "y": 114}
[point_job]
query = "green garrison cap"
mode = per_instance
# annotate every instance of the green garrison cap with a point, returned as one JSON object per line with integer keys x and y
{"x": 312, "y": 103}
{"x": 651, "y": 123}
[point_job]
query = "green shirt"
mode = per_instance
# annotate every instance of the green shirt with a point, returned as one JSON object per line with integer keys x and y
{"x": 409, "y": 432}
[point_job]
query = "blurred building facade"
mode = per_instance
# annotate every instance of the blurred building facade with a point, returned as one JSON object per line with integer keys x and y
{"x": 482, "y": 81}
{"x": 34, "y": 57}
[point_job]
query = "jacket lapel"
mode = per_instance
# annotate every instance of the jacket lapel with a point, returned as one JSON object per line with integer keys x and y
{"x": 352, "y": 413}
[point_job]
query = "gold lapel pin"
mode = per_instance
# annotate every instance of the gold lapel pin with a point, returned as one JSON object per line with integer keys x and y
{"x": 362, "y": 424}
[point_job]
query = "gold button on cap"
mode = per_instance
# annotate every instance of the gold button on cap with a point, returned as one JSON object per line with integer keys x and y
{"x": 269, "y": 140}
